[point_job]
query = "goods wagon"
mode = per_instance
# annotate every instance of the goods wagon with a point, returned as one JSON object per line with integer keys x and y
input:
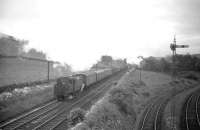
{"x": 101, "y": 74}
{"x": 88, "y": 78}
{"x": 67, "y": 86}
{"x": 114, "y": 70}
{"x": 108, "y": 72}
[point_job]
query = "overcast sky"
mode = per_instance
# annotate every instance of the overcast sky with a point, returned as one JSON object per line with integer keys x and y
{"x": 78, "y": 32}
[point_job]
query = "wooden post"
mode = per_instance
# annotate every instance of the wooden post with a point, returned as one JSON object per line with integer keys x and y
{"x": 173, "y": 47}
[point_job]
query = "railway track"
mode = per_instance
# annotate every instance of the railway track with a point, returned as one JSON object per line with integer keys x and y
{"x": 39, "y": 117}
{"x": 23, "y": 119}
{"x": 190, "y": 118}
{"x": 152, "y": 116}
{"x": 62, "y": 125}
{"x": 60, "y": 121}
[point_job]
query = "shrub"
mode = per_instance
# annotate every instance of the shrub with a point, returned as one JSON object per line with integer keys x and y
{"x": 123, "y": 100}
{"x": 104, "y": 115}
{"x": 146, "y": 94}
{"x": 191, "y": 76}
{"x": 76, "y": 116}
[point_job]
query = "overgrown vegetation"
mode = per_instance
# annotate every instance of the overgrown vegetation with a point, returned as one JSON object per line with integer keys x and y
{"x": 23, "y": 99}
{"x": 117, "y": 110}
{"x": 76, "y": 116}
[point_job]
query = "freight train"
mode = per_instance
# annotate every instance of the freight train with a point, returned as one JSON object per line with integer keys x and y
{"x": 67, "y": 87}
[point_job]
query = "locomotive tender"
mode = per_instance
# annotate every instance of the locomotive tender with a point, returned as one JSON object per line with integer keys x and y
{"x": 69, "y": 86}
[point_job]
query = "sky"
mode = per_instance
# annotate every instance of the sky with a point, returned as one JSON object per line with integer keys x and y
{"x": 79, "y": 32}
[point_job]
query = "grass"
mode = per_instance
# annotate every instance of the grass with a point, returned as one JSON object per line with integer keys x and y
{"x": 21, "y": 100}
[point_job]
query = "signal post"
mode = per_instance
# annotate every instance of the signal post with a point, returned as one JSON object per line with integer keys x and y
{"x": 173, "y": 47}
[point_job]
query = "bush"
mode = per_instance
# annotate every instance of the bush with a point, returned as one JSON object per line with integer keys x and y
{"x": 119, "y": 97}
{"x": 146, "y": 94}
{"x": 104, "y": 115}
{"x": 191, "y": 76}
{"x": 76, "y": 116}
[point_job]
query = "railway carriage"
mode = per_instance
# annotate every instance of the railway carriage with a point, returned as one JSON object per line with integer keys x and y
{"x": 88, "y": 77}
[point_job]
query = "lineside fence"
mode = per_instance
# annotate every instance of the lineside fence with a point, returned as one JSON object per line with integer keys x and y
{"x": 18, "y": 71}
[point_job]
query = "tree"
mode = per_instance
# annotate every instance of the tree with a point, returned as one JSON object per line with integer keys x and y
{"x": 165, "y": 66}
{"x": 35, "y": 54}
{"x": 106, "y": 59}
{"x": 12, "y": 46}
{"x": 155, "y": 64}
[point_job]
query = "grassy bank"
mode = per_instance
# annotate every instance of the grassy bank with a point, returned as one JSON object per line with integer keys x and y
{"x": 122, "y": 106}
{"x": 118, "y": 109}
{"x": 22, "y": 99}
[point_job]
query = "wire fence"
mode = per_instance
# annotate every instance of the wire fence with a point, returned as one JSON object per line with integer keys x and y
{"x": 16, "y": 70}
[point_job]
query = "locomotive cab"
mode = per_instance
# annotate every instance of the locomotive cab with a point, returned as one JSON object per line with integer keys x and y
{"x": 67, "y": 87}
{"x": 62, "y": 87}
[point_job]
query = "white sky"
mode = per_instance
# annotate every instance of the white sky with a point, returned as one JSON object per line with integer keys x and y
{"x": 78, "y": 32}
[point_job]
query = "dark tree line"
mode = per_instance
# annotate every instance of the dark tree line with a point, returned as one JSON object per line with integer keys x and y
{"x": 188, "y": 62}
{"x": 182, "y": 62}
{"x": 108, "y": 62}
{"x": 10, "y": 46}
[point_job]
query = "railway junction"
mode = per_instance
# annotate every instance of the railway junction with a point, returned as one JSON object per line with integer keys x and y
{"x": 168, "y": 105}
